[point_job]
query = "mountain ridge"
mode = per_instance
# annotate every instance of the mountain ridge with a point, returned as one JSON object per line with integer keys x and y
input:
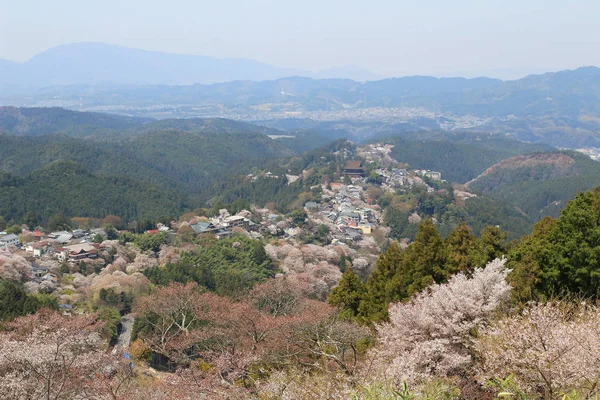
{"x": 96, "y": 63}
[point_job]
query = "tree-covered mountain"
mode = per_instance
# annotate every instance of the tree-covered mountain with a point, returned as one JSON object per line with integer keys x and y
{"x": 42, "y": 121}
{"x": 197, "y": 159}
{"x": 187, "y": 161}
{"x": 206, "y": 126}
{"x": 459, "y": 157}
{"x": 67, "y": 188}
{"x": 539, "y": 184}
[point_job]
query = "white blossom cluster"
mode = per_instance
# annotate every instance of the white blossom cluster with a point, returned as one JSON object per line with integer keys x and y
{"x": 431, "y": 334}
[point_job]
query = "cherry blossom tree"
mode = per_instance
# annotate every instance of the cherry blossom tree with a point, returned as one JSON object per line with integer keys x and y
{"x": 431, "y": 334}
{"x": 14, "y": 267}
{"x": 50, "y": 356}
{"x": 549, "y": 349}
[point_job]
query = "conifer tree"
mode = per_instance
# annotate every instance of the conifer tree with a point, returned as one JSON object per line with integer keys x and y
{"x": 424, "y": 262}
{"x": 348, "y": 295}
{"x": 461, "y": 246}
{"x": 380, "y": 287}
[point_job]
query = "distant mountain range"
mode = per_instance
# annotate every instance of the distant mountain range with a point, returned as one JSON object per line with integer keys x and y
{"x": 96, "y": 63}
{"x": 571, "y": 93}
{"x": 559, "y": 108}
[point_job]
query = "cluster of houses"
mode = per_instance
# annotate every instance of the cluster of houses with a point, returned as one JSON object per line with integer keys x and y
{"x": 344, "y": 206}
{"x": 394, "y": 177}
{"x": 64, "y": 245}
{"x": 223, "y": 224}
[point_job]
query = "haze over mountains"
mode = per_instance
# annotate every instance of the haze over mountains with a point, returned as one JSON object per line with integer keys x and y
{"x": 559, "y": 108}
{"x": 95, "y": 63}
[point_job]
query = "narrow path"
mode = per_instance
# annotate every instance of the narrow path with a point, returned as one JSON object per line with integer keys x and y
{"x": 126, "y": 329}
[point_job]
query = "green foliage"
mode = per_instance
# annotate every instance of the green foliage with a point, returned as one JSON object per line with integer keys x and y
{"x": 36, "y": 121}
{"x": 110, "y": 318}
{"x": 111, "y": 232}
{"x": 298, "y": 217}
{"x": 381, "y": 286}
{"x": 484, "y": 211}
{"x": 397, "y": 220}
{"x": 14, "y": 302}
{"x": 507, "y": 388}
{"x": 58, "y": 222}
{"x": 228, "y": 266}
{"x": 424, "y": 261}
{"x": 460, "y": 245}
{"x": 66, "y": 189}
{"x": 348, "y": 295}
{"x": 148, "y": 241}
{"x": 540, "y": 184}
{"x": 14, "y": 229}
{"x": 119, "y": 301}
{"x": 561, "y": 256}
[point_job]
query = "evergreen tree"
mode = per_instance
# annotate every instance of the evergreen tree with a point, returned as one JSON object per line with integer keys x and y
{"x": 380, "y": 286}
{"x": 460, "y": 247}
{"x": 424, "y": 261}
{"x": 15, "y": 302}
{"x": 342, "y": 264}
{"x": 491, "y": 245}
{"x": 348, "y": 295}
{"x": 561, "y": 256}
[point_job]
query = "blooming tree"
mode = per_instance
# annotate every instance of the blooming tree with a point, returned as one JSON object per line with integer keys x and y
{"x": 50, "y": 356}
{"x": 549, "y": 349}
{"x": 431, "y": 334}
{"x": 14, "y": 267}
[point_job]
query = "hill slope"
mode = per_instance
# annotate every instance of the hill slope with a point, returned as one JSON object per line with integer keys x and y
{"x": 68, "y": 188}
{"x": 459, "y": 157}
{"x": 42, "y": 121}
{"x": 539, "y": 184}
{"x": 186, "y": 161}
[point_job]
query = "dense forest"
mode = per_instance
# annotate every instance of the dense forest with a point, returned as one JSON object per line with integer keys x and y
{"x": 68, "y": 189}
{"x": 539, "y": 184}
{"x": 459, "y": 157}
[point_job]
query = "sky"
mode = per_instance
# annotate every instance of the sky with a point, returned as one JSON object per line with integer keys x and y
{"x": 500, "y": 38}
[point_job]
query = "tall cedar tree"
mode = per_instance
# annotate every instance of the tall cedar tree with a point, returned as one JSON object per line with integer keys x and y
{"x": 491, "y": 245}
{"x": 380, "y": 287}
{"x": 348, "y": 295}
{"x": 424, "y": 262}
{"x": 460, "y": 247}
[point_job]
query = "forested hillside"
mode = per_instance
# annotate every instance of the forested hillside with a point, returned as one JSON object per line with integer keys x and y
{"x": 66, "y": 188}
{"x": 539, "y": 184}
{"x": 187, "y": 161}
{"x": 43, "y": 121}
{"x": 459, "y": 157}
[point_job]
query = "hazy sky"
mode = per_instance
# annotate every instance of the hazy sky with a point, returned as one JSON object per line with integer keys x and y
{"x": 391, "y": 37}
